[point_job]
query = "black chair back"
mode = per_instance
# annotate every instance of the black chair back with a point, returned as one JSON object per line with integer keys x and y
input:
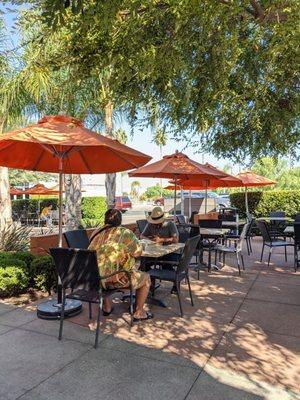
{"x": 263, "y": 227}
{"x": 187, "y": 254}
{"x": 184, "y": 234}
{"x": 210, "y": 223}
{"x": 276, "y": 214}
{"x": 297, "y": 234}
{"x": 77, "y": 239}
{"x": 181, "y": 219}
{"x": 141, "y": 224}
{"x": 77, "y": 268}
{"x": 297, "y": 218}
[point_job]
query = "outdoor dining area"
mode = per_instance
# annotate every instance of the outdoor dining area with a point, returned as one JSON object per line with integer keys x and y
{"x": 176, "y": 282}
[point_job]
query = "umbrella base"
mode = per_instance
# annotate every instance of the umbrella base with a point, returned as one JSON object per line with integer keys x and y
{"x": 50, "y": 310}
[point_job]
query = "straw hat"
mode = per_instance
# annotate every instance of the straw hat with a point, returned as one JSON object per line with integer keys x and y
{"x": 157, "y": 216}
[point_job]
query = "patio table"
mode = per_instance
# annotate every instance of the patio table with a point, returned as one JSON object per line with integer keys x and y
{"x": 214, "y": 234}
{"x": 153, "y": 250}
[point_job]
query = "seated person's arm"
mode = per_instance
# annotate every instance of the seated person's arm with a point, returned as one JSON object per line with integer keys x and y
{"x": 147, "y": 233}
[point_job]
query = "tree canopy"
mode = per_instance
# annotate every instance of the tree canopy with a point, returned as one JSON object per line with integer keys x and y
{"x": 222, "y": 74}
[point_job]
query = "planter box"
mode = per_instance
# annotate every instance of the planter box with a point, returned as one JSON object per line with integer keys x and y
{"x": 40, "y": 244}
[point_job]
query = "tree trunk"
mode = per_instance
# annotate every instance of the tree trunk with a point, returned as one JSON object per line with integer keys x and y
{"x": 5, "y": 202}
{"x": 73, "y": 201}
{"x": 110, "y": 179}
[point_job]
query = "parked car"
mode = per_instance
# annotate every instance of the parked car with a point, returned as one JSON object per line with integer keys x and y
{"x": 123, "y": 203}
{"x": 159, "y": 202}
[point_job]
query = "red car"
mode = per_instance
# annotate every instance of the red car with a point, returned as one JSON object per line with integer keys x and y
{"x": 159, "y": 202}
{"x": 123, "y": 203}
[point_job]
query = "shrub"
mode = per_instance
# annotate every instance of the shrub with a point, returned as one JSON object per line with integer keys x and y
{"x": 13, "y": 281}
{"x": 262, "y": 203}
{"x": 14, "y": 238}
{"x": 94, "y": 208}
{"x": 44, "y": 273}
{"x": 31, "y": 205}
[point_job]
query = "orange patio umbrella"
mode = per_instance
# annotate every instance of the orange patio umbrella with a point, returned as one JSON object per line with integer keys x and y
{"x": 62, "y": 144}
{"x": 250, "y": 179}
{"x": 177, "y": 166}
{"x": 40, "y": 189}
{"x": 15, "y": 192}
{"x": 221, "y": 179}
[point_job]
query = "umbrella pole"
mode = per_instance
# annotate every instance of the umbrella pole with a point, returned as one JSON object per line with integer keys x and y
{"x": 181, "y": 202}
{"x": 246, "y": 200}
{"x": 190, "y": 203}
{"x": 60, "y": 210}
{"x": 206, "y": 196}
{"x": 175, "y": 198}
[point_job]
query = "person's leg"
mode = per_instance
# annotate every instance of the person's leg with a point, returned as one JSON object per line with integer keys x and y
{"x": 107, "y": 304}
{"x": 141, "y": 296}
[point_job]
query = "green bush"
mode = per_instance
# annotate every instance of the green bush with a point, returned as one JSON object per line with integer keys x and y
{"x": 262, "y": 203}
{"x": 31, "y": 205}
{"x": 13, "y": 281}
{"x": 94, "y": 208}
{"x": 44, "y": 273}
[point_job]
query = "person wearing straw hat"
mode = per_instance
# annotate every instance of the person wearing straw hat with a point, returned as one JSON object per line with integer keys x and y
{"x": 160, "y": 230}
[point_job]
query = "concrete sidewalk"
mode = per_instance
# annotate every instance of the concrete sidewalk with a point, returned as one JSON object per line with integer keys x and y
{"x": 240, "y": 341}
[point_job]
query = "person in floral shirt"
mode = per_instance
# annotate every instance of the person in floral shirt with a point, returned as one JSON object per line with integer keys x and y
{"x": 117, "y": 249}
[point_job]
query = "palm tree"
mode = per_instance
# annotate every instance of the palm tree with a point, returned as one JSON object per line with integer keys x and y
{"x": 135, "y": 188}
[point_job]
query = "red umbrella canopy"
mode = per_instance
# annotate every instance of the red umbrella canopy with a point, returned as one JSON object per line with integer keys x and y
{"x": 16, "y": 192}
{"x": 220, "y": 179}
{"x": 177, "y": 165}
{"x": 249, "y": 178}
{"x": 62, "y": 143}
{"x": 41, "y": 189}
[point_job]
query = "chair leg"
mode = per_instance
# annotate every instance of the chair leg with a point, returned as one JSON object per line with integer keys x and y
{"x": 238, "y": 262}
{"x": 250, "y": 245}
{"x": 62, "y": 315}
{"x": 262, "y": 252}
{"x": 179, "y": 299}
{"x": 216, "y": 257}
{"x": 248, "y": 248}
{"x": 269, "y": 258}
{"x": 285, "y": 253}
{"x": 223, "y": 258}
{"x": 190, "y": 290}
{"x": 90, "y": 310}
{"x": 243, "y": 264}
{"x": 98, "y": 321}
{"x": 131, "y": 306}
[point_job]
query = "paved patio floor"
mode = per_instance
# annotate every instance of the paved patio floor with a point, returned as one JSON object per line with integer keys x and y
{"x": 240, "y": 341}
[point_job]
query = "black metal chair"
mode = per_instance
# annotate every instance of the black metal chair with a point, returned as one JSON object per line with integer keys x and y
{"x": 237, "y": 249}
{"x": 78, "y": 271}
{"x": 270, "y": 241}
{"x": 297, "y": 245}
{"x": 77, "y": 239}
{"x": 180, "y": 270}
{"x": 141, "y": 224}
{"x": 181, "y": 219}
{"x": 210, "y": 223}
{"x": 297, "y": 218}
{"x": 277, "y": 227}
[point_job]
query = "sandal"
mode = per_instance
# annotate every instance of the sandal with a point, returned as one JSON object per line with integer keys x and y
{"x": 107, "y": 313}
{"x": 148, "y": 316}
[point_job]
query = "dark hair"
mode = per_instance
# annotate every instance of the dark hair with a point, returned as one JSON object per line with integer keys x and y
{"x": 113, "y": 217}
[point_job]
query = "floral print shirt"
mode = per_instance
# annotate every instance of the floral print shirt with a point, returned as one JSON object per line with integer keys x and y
{"x": 117, "y": 248}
